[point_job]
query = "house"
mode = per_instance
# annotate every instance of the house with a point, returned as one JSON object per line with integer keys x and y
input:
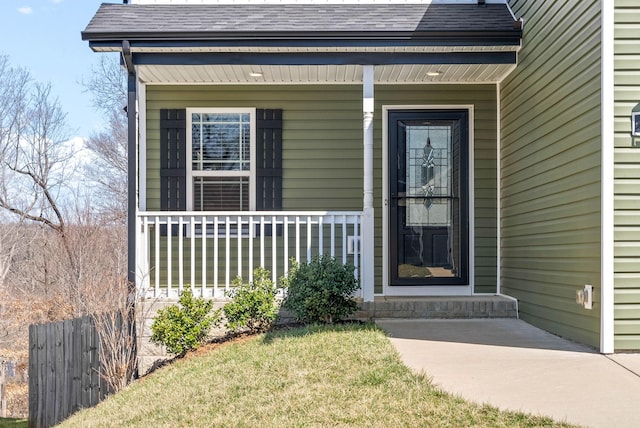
{"x": 445, "y": 148}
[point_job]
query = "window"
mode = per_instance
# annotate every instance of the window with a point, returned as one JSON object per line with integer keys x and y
{"x": 220, "y": 159}
{"x": 221, "y": 172}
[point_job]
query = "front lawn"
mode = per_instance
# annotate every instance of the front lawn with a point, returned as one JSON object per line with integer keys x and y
{"x": 347, "y": 375}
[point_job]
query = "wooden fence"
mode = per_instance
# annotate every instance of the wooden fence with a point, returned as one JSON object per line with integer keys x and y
{"x": 64, "y": 370}
{"x": 3, "y": 383}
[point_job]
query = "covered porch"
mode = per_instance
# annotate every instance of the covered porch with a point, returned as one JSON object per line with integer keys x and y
{"x": 421, "y": 60}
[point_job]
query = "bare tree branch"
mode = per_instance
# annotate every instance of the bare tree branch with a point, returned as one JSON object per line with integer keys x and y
{"x": 61, "y": 255}
{"x": 108, "y": 87}
{"x": 34, "y": 158}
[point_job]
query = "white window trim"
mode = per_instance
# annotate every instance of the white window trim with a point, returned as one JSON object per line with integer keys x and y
{"x": 252, "y": 164}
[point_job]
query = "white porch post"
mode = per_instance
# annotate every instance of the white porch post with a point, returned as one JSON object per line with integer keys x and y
{"x": 142, "y": 235}
{"x": 367, "y": 232}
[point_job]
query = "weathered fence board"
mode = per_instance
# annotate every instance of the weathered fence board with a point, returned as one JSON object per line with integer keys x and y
{"x": 64, "y": 370}
{"x": 3, "y": 382}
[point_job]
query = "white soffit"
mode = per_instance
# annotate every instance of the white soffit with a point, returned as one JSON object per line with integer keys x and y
{"x": 323, "y": 74}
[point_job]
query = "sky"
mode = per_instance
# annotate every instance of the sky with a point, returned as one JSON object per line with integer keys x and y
{"x": 43, "y": 36}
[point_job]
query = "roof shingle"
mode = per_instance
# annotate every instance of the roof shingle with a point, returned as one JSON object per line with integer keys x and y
{"x": 153, "y": 21}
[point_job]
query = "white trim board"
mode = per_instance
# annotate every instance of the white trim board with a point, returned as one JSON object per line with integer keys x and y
{"x": 498, "y": 201}
{"x": 607, "y": 332}
{"x": 142, "y": 146}
{"x": 430, "y": 290}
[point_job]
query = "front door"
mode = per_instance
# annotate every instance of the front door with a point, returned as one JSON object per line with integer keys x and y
{"x": 428, "y": 204}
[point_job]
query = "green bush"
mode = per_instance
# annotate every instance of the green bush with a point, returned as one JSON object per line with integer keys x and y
{"x": 183, "y": 328}
{"x": 320, "y": 291}
{"x": 253, "y": 306}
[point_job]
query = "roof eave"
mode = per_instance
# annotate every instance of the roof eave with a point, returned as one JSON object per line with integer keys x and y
{"x": 158, "y": 44}
{"x": 323, "y": 58}
{"x": 473, "y": 37}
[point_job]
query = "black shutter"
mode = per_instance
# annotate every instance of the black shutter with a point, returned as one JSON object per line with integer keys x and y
{"x": 269, "y": 163}
{"x": 269, "y": 160}
{"x": 173, "y": 163}
{"x": 173, "y": 160}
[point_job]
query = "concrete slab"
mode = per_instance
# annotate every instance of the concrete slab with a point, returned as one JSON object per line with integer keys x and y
{"x": 629, "y": 361}
{"x": 513, "y": 365}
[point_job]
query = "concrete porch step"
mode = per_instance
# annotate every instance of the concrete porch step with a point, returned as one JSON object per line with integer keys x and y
{"x": 439, "y": 307}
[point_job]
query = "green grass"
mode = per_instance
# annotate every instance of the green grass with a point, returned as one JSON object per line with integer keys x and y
{"x": 13, "y": 423}
{"x": 341, "y": 376}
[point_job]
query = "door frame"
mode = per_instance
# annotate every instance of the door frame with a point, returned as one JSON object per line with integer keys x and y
{"x": 427, "y": 290}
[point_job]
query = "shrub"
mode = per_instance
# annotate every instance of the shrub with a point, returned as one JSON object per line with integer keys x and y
{"x": 253, "y": 306}
{"x": 183, "y": 328}
{"x": 320, "y": 291}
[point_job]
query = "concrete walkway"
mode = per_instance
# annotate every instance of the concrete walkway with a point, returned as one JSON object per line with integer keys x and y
{"x": 513, "y": 365}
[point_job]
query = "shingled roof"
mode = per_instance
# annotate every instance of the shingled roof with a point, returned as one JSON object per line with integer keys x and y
{"x": 114, "y": 22}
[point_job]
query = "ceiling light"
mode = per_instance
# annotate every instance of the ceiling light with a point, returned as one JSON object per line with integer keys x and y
{"x": 434, "y": 73}
{"x": 256, "y": 74}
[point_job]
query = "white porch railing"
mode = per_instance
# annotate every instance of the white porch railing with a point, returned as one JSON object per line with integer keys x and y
{"x": 174, "y": 253}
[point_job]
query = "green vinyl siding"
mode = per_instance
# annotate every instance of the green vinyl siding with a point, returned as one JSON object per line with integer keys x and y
{"x": 550, "y": 167}
{"x": 316, "y": 124}
{"x": 626, "y": 177}
{"x": 322, "y": 147}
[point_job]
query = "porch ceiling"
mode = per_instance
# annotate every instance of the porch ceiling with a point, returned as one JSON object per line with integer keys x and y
{"x": 323, "y": 74}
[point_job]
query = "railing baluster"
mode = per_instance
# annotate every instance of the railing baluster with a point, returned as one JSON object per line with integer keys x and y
{"x": 285, "y": 238}
{"x": 308, "y": 239}
{"x": 333, "y": 236}
{"x": 180, "y": 255}
{"x": 298, "y": 239}
{"x": 144, "y": 272}
{"x": 169, "y": 251}
{"x": 356, "y": 246}
{"x": 261, "y": 241}
{"x": 273, "y": 249}
{"x": 157, "y": 256}
{"x": 192, "y": 233}
{"x": 204, "y": 255}
{"x": 227, "y": 253}
{"x": 251, "y": 237}
{"x": 320, "y": 235}
{"x": 239, "y": 246}
{"x": 361, "y": 276}
{"x": 344, "y": 239}
{"x": 216, "y": 254}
